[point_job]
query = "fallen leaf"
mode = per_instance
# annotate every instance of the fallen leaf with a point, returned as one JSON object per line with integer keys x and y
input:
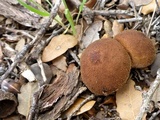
{"x": 117, "y": 28}
{"x": 108, "y": 28}
{"x": 60, "y": 63}
{"x": 20, "y": 44}
{"x": 125, "y": 3}
{"x": 26, "y": 96}
{"x": 149, "y": 7}
{"x": 90, "y": 3}
{"x": 27, "y": 73}
{"x": 86, "y": 107}
{"x": 57, "y": 46}
{"x": 91, "y": 34}
{"x": 128, "y": 101}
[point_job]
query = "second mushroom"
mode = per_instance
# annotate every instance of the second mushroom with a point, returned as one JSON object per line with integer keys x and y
{"x": 106, "y": 63}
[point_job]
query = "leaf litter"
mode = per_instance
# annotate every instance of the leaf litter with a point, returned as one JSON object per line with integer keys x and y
{"x": 64, "y": 94}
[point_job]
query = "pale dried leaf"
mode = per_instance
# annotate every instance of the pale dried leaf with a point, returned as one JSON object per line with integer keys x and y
{"x": 117, "y": 28}
{"x": 79, "y": 29}
{"x": 57, "y": 46}
{"x": 20, "y": 44}
{"x": 25, "y": 97}
{"x": 87, "y": 106}
{"x": 9, "y": 51}
{"x": 141, "y": 2}
{"x": 150, "y": 7}
{"x": 128, "y": 101}
{"x": 28, "y": 74}
{"x": 60, "y": 63}
{"x": 91, "y": 34}
{"x": 108, "y": 28}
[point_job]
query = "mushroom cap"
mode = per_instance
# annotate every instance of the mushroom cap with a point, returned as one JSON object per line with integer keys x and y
{"x": 105, "y": 66}
{"x": 139, "y": 47}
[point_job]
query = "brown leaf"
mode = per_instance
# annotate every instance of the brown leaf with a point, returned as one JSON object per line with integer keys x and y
{"x": 128, "y": 101}
{"x": 25, "y": 97}
{"x": 87, "y": 106}
{"x": 60, "y": 63}
{"x": 108, "y": 28}
{"x": 91, "y": 34}
{"x": 57, "y": 46}
{"x": 20, "y": 44}
{"x": 117, "y": 28}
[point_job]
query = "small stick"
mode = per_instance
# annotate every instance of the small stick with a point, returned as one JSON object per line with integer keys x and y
{"x": 148, "y": 96}
{"x": 39, "y": 61}
{"x": 151, "y": 19}
{"x": 130, "y": 20}
{"x": 74, "y": 56}
{"x": 23, "y": 32}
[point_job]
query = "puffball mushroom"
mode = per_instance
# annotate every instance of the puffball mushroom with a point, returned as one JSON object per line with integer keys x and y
{"x": 139, "y": 47}
{"x": 105, "y": 66}
{"x": 106, "y": 63}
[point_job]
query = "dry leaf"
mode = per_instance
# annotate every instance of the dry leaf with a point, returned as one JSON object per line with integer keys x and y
{"x": 91, "y": 34}
{"x": 86, "y": 107}
{"x": 60, "y": 63}
{"x": 128, "y": 101}
{"x": 91, "y": 3}
{"x": 20, "y": 44}
{"x": 108, "y": 28}
{"x": 57, "y": 46}
{"x": 141, "y": 2}
{"x": 26, "y": 96}
{"x": 117, "y": 28}
{"x": 150, "y": 7}
{"x": 27, "y": 73}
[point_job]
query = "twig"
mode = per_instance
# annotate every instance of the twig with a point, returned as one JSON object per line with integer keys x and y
{"x": 39, "y": 61}
{"x": 20, "y": 56}
{"x": 154, "y": 115}
{"x": 130, "y": 20}
{"x": 74, "y": 57}
{"x": 151, "y": 19}
{"x": 147, "y": 96}
{"x": 33, "y": 113}
{"x": 23, "y": 32}
{"x": 113, "y": 12}
{"x": 89, "y": 14}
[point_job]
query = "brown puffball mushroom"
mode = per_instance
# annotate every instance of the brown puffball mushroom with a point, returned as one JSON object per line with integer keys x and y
{"x": 105, "y": 66}
{"x": 139, "y": 47}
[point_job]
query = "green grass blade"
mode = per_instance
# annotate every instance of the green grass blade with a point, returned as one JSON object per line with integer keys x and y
{"x": 70, "y": 20}
{"x": 42, "y": 13}
{"x": 80, "y": 9}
